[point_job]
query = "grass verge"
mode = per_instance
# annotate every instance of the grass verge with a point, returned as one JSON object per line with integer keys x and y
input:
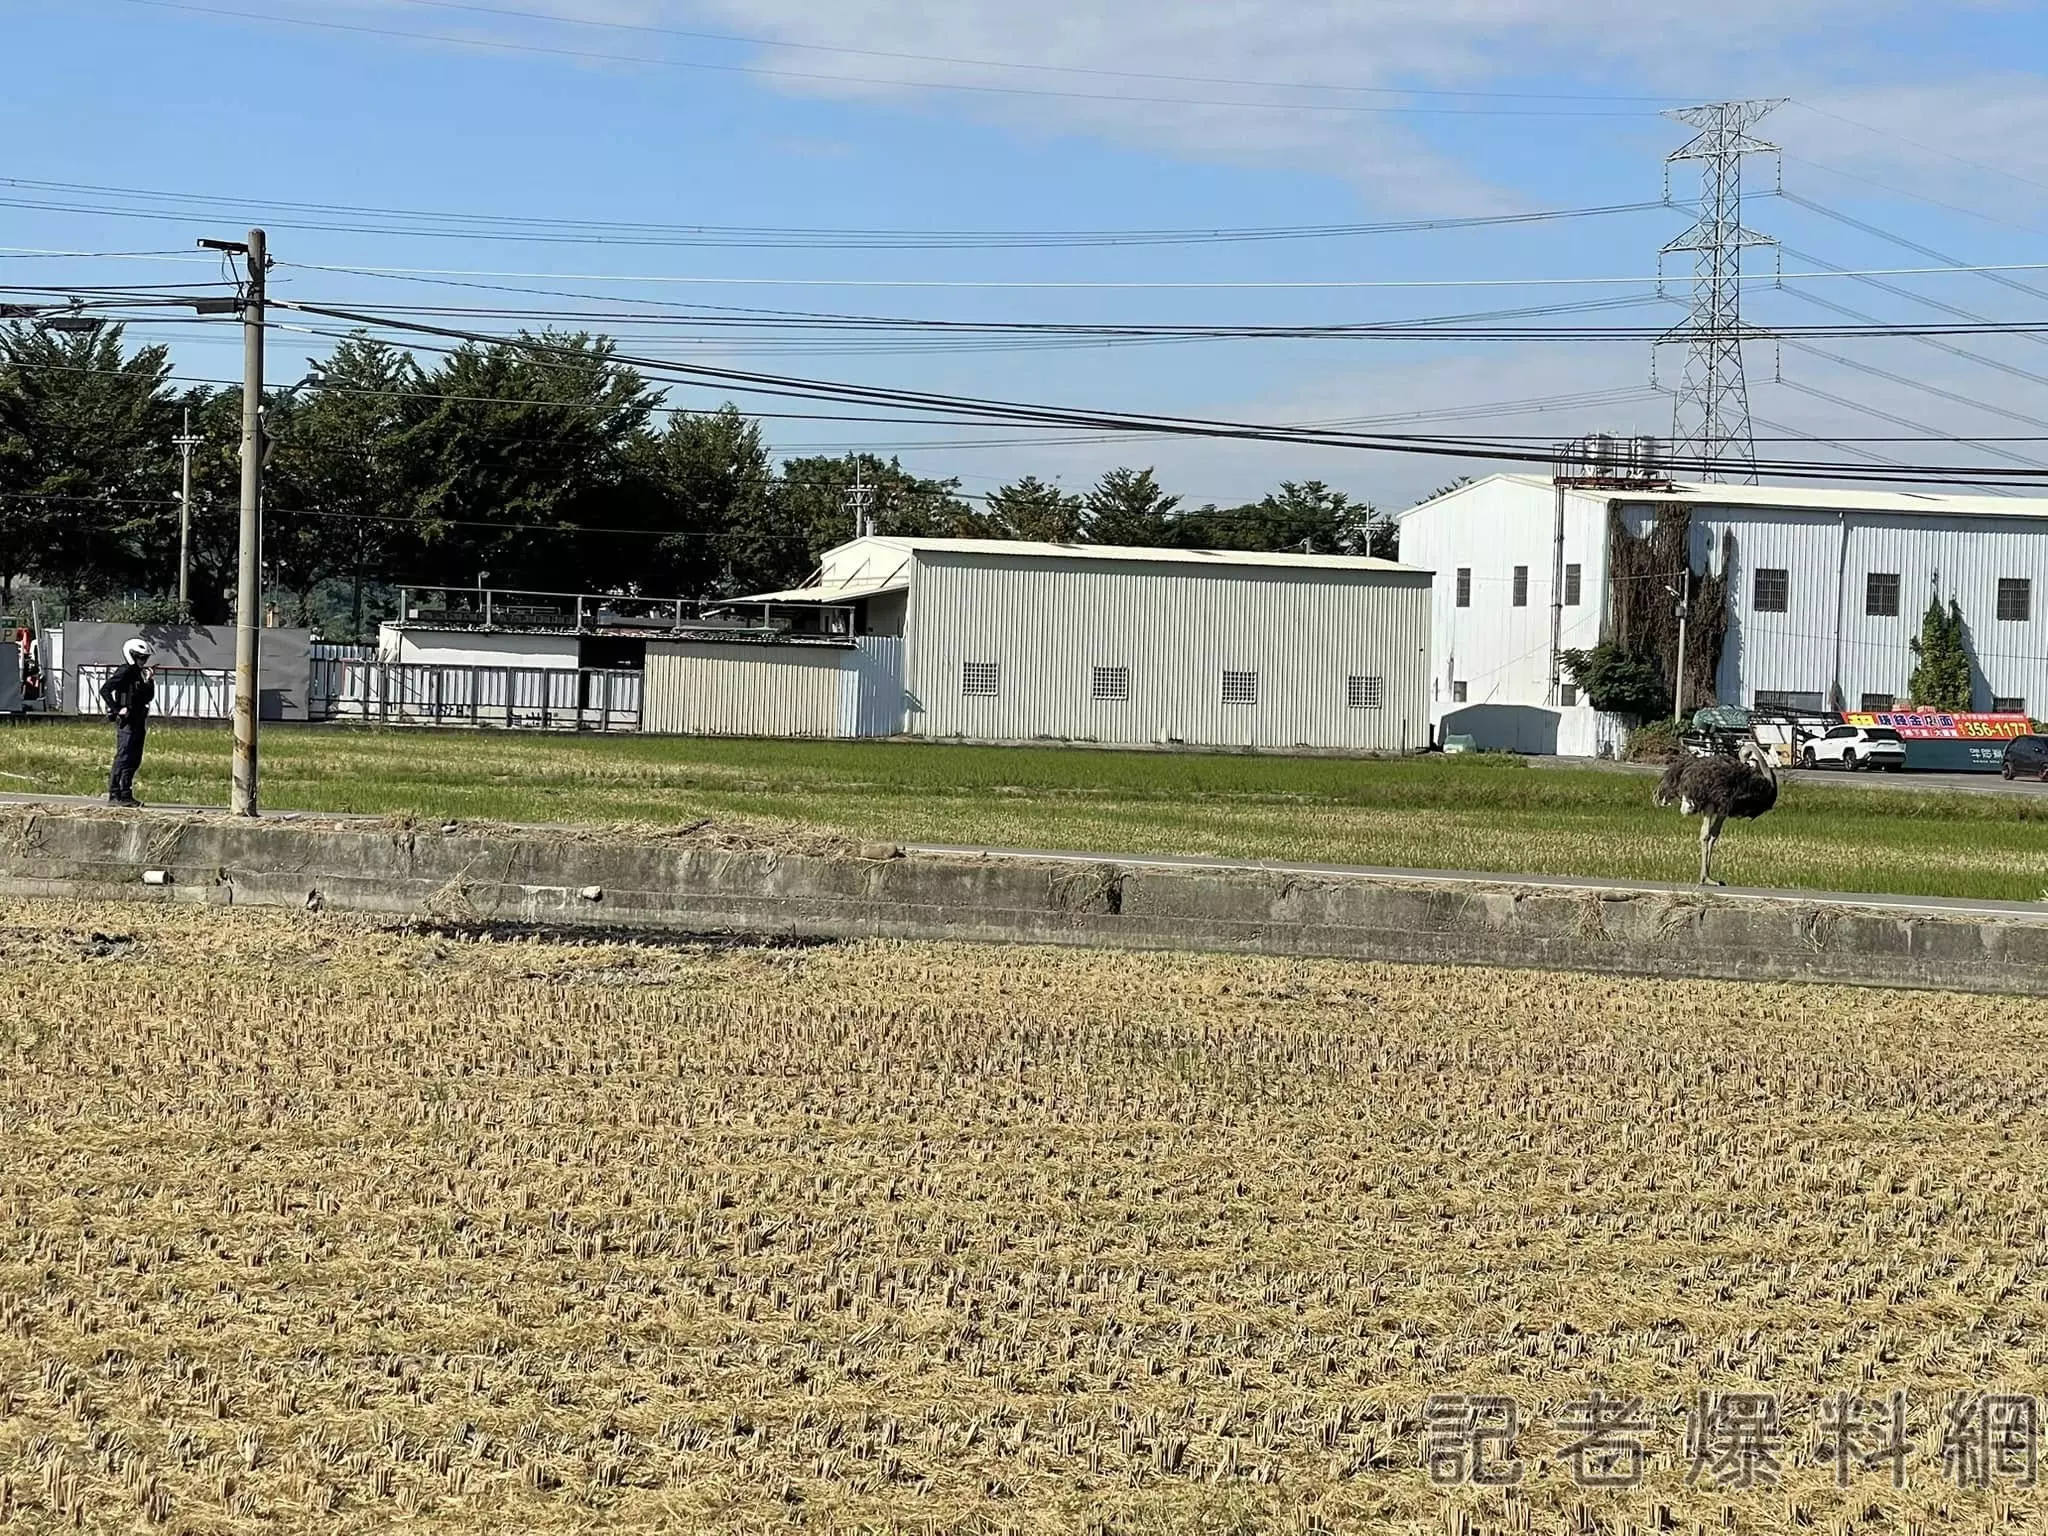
{"x": 1483, "y": 813}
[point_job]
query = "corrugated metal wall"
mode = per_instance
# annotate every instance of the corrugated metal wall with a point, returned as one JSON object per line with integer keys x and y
{"x": 1827, "y": 558}
{"x": 710, "y": 689}
{"x": 871, "y": 687}
{"x": 1046, "y": 625}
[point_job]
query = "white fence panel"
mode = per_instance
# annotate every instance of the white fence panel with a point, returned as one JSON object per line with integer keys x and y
{"x": 182, "y": 693}
{"x": 511, "y": 698}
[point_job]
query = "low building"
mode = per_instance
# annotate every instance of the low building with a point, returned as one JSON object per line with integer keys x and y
{"x": 1003, "y": 640}
{"x": 1800, "y": 600}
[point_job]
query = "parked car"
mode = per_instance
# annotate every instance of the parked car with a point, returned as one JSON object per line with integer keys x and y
{"x": 2026, "y": 755}
{"x": 1855, "y": 746}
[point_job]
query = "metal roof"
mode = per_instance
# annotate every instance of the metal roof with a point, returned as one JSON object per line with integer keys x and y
{"x": 1024, "y": 549}
{"x": 828, "y": 592}
{"x": 1793, "y": 498}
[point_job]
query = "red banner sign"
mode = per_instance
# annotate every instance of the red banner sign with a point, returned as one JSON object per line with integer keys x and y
{"x": 1913, "y": 726}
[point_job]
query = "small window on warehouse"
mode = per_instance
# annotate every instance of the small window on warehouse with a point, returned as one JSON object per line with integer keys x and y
{"x": 1457, "y": 693}
{"x": 1572, "y": 583}
{"x": 1521, "y": 586}
{"x": 1773, "y": 589}
{"x": 2004, "y": 706}
{"x": 1876, "y": 703}
{"x": 1881, "y": 595}
{"x": 1240, "y": 687}
{"x": 1112, "y": 684}
{"x": 979, "y": 679}
{"x": 1568, "y": 694}
{"x": 1364, "y": 692}
{"x": 2015, "y": 599}
{"x": 1464, "y": 586}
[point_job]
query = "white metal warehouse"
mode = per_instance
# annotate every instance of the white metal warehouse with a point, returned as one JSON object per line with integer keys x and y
{"x": 1824, "y": 590}
{"x": 1000, "y": 640}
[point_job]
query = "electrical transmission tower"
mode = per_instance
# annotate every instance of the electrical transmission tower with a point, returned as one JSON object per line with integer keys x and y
{"x": 1710, "y": 408}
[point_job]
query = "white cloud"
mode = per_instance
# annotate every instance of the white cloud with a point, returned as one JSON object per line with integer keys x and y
{"x": 1986, "y": 137}
{"x": 1088, "y": 53}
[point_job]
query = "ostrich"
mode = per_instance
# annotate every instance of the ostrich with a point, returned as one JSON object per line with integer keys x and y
{"x": 1715, "y": 788}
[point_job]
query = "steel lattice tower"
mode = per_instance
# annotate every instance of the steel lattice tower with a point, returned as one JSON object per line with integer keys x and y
{"x": 1710, "y": 408}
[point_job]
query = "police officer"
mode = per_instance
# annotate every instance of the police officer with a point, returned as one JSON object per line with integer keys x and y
{"x": 128, "y": 695}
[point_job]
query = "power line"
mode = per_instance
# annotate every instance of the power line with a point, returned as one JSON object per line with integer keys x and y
{"x": 1902, "y": 421}
{"x": 1967, "y": 356}
{"x": 1918, "y": 197}
{"x": 523, "y": 228}
{"x": 922, "y": 402}
{"x": 1193, "y": 284}
{"x": 1978, "y": 165}
{"x": 1918, "y": 384}
{"x": 1924, "y": 301}
{"x": 1903, "y": 243}
{"x": 819, "y": 77}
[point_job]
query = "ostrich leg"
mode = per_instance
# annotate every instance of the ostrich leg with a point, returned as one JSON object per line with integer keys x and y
{"x": 1710, "y": 833}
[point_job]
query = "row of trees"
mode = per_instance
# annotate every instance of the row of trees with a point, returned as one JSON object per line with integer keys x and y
{"x": 555, "y": 469}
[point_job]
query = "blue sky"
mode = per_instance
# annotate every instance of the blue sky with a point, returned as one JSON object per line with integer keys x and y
{"x": 1060, "y": 116}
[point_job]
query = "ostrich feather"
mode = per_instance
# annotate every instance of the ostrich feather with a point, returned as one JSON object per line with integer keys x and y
{"x": 1717, "y": 786}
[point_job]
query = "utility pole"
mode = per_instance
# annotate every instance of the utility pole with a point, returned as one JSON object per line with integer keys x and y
{"x": 249, "y": 569}
{"x": 1684, "y": 612}
{"x": 860, "y": 501}
{"x": 1710, "y": 423}
{"x": 185, "y": 442}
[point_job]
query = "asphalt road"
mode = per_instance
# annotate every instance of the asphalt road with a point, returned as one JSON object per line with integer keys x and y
{"x": 1836, "y": 778}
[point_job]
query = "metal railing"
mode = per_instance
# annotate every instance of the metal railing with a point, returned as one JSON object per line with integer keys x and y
{"x": 511, "y": 698}
{"x": 507, "y": 609}
{"x": 182, "y": 693}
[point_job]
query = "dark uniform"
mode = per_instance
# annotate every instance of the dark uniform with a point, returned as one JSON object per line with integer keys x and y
{"x": 130, "y": 690}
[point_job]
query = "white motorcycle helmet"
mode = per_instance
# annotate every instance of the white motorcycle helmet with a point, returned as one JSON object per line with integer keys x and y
{"x": 138, "y": 650}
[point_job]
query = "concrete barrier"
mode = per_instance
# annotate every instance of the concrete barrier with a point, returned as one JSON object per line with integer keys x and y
{"x": 701, "y": 883}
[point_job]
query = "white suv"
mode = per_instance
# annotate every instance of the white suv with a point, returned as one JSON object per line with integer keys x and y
{"x": 1855, "y": 746}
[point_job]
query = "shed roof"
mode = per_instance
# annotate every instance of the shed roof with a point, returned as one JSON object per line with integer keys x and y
{"x": 1795, "y": 498}
{"x": 826, "y": 593}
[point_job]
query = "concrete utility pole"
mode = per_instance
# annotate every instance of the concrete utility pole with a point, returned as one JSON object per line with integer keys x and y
{"x": 249, "y": 570}
{"x": 859, "y": 499}
{"x": 1684, "y": 612}
{"x": 185, "y": 442}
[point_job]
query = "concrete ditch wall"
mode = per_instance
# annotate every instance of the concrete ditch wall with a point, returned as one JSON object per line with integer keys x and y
{"x": 685, "y": 883}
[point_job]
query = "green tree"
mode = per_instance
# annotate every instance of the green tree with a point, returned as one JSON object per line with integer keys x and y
{"x": 717, "y": 490}
{"x": 810, "y": 512}
{"x": 1028, "y": 508}
{"x": 1128, "y": 507}
{"x": 85, "y": 468}
{"x": 1306, "y": 515}
{"x": 1941, "y": 670}
{"x": 521, "y": 452}
{"x": 1618, "y": 682}
{"x": 341, "y": 478}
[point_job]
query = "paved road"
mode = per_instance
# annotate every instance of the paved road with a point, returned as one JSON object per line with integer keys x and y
{"x": 1835, "y": 778}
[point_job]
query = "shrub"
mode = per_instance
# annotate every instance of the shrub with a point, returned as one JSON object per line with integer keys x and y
{"x": 1618, "y": 682}
{"x": 1656, "y": 742}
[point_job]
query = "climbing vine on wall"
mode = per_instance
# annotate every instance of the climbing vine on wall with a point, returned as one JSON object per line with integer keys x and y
{"x": 1642, "y": 613}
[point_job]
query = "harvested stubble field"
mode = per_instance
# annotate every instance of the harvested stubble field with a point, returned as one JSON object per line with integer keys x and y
{"x": 1475, "y": 812}
{"x": 307, "y": 1226}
